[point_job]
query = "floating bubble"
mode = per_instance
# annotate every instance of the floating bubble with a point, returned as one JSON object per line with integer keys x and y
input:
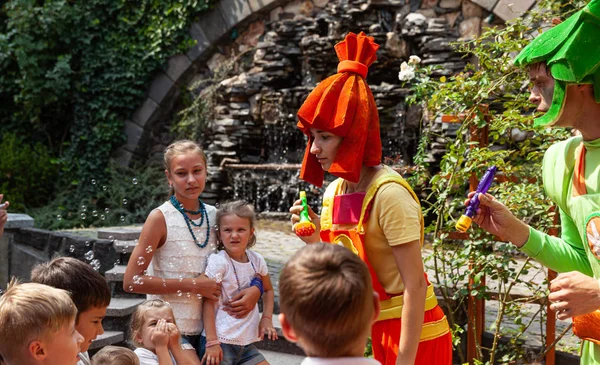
{"x": 199, "y": 296}
{"x": 83, "y": 208}
{"x": 102, "y": 217}
{"x": 216, "y": 204}
{"x": 104, "y": 187}
{"x": 94, "y": 213}
{"x": 117, "y": 263}
{"x": 59, "y": 217}
{"x": 130, "y": 288}
{"x": 83, "y": 216}
{"x": 193, "y": 281}
{"x": 134, "y": 181}
{"x": 106, "y": 210}
{"x": 71, "y": 248}
{"x": 164, "y": 282}
{"x": 138, "y": 280}
{"x": 112, "y": 238}
{"x": 180, "y": 279}
{"x": 122, "y": 218}
{"x": 124, "y": 201}
{"x": 88, "y": 243}
{"x": 179, "y": 293}
{"x": 89, "y": 255}
{"x": 141, "y": 260}
{"x": 218, "y": 277}
{"x": 189, "y": 294}
{"x": 148, "y": 249}
{"x": 93, "y": 181}
{"x": 95, "y": 264}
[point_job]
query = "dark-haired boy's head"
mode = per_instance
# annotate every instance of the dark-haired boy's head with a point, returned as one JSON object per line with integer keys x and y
{"x": 89, "y": 291}
{"x": 327, "y": 301}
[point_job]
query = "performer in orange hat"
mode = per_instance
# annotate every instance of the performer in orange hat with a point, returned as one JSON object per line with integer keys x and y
{"x": 371, "y": 209}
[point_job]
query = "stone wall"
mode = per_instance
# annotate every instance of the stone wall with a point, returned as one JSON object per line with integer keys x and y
{"x": 22, "y": 247}
{"x": 258, "y": 72}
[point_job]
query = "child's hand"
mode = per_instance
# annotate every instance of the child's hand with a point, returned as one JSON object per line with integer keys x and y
{"x": 213, "y": 355}
{"x": 174, "y": 335}
{"x": 160, "y": 335}
{"x": 208, "y": 288}
{"x": 266, "y": 328}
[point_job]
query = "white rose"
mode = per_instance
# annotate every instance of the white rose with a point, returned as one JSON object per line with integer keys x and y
{"x": 414, "y": 60}
{"x": 404, "y": 66}
{"x": 406, "y": 75}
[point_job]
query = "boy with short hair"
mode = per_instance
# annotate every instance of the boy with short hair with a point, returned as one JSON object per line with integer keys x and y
{"x": 328, "y": 304}
{"x": 89, "y": 291}
{"x": 37, "y": 326}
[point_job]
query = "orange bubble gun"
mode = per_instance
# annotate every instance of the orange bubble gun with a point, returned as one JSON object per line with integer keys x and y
{"x": 305, "y": 227}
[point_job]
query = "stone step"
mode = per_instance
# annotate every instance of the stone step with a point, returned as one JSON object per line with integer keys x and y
{"x": 118, "y": 314}
{"x": 124, "y": 247}
{"x": 108, "y": 338}
{"x": 120, "y": 233}
{"x": 117, "y": 273}
{"x": 279, "y": 358}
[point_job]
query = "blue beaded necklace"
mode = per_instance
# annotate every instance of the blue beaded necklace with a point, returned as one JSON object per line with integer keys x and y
{"x": 190, "y": 222}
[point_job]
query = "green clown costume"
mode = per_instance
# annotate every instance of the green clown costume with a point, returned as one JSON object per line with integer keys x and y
{"x": 571, "y": 168}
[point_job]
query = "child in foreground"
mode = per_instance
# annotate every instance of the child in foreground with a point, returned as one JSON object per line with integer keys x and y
{"x": 229, "y": 340}
{"x": 155, "y": 333}
{"x": 89, "y": 291}
{"x": 115, "y": 355}
{"x": 328, "y": 305}
{"x": 37, "y": 326}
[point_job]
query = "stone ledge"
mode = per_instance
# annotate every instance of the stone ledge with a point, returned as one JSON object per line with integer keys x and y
{"x": 16, "y": 220}
{"x": 117, "y": 273}
{"x": 120, "y": 233}
{"x": 121, "y": 307}
{"x": 107, "y": 338}
{"x": 124, "y": 246}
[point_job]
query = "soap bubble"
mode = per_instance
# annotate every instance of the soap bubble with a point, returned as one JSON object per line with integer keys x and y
{"x": 179, "y": 293}
{"x": 71, "y": 248}
{"x": 59, "y": 217}
{"x": 199, "y": 296}
{"x": 134, "y": 181}
{"x": 95, "y": 264}
{"x": 83, "y": 216}
{"x": 104, "y": 187}
{"x": 138, "y": 280}
{"x": 122, "y": 218}
{"x": 124, "y": 201}
{"x": 94, "y": 213}
{"x": 89, "y": 255}
{"x": 88, "y": 243}
{"x": 148, "y": 249}
{"x": 102, "y": 217}
{"x": 130, "y": 288}
{"x": 106, "y": 210}
{"x": 218, "y": 277}
{"x": 93, "y": 181}
{"x": 83, "y": 208}
{"x": 141, "y": 260}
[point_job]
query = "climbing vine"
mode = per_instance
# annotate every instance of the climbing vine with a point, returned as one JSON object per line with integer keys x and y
{"x": 72, "y": 73}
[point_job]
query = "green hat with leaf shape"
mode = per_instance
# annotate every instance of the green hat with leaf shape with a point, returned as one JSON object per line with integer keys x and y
{"x": 571, "y": 51}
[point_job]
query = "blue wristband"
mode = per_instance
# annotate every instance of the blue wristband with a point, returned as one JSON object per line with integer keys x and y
{"x": 257, "y": 282}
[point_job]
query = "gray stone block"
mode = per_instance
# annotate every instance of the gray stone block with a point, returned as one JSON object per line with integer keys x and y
{"x": 121, "y": 307}
{"x": 234, "y": 11}
{"x": 510, "y": 9}
{"x": 122, "y": 157}
{"x": 117, "y": 273}
{"x": 124, "y": 246}
{"x": 197, "y": 52}
{"x": 259, "y": 5}
{"x": 107, "y": 338}
{"x": 18, "y": 221}
{"x": 23, "y": 259}
{"x": 145, "y": 113}
{"x": 134, "y": 133}
{"x": 104, "y": 252}
{"x": 178, "y": 65}
{"x": 213, "y": 25}
{"x": 34, "y": 237}
{"x": 160, "y": 89}
{"x": 5, "y": 244}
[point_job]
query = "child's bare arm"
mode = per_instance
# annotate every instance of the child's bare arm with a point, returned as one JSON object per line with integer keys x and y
{"x": 214, "y": 353}
{"x": 160, "y": 339}
{"x": 181, "y": 356}
{"x": 266, "y": 322}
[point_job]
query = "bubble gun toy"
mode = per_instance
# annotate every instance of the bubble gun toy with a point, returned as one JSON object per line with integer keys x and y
{"x": 484, "y": 184}
{"x": 305, "y": 227}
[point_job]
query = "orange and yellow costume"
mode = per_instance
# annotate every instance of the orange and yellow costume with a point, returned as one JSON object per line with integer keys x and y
{"x": 372, "y": 222}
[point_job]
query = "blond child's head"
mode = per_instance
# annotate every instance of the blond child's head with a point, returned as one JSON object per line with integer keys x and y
{"x": 37, "y": 324}
{"x": 115, "y": 355}
{"x": 233, "y": 216}
{"x": 145, "y": 318}
{"x": 327, "y": 301}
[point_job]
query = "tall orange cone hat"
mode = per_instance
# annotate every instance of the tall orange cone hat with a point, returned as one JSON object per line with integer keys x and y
{"x": 343, "y": 105}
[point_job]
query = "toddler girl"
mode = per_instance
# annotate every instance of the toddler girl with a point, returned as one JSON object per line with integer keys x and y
{"x": 156, "y": 336}
{"x": 229, "y": 340}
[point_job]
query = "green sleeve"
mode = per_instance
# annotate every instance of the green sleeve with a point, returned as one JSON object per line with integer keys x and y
{"x": 559, "y": 254}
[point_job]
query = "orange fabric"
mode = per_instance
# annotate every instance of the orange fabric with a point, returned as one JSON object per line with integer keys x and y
{"x": 385, "y": 339}
{"x": 343, "y": 105}
{"x": 587, "y": 327}
{"x": 579, "y": 173}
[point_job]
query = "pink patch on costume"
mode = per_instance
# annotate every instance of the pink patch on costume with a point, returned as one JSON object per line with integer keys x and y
{"x": 347, "y": 207}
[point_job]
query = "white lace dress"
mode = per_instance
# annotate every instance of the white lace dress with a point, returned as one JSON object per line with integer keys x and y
{"x": 231, "y": 330}
{"x": 180, "y": 257}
